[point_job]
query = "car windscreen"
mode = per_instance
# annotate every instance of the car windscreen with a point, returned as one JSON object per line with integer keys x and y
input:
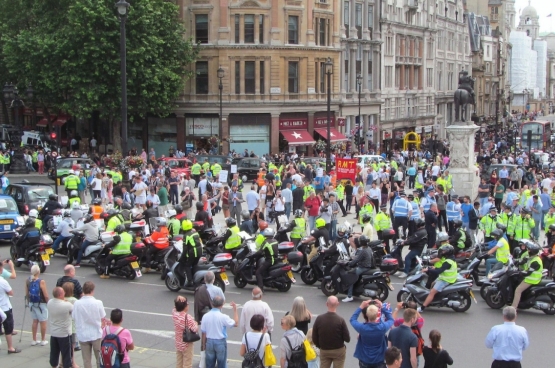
{"x": 7, "y": 205}
{"x": 39, "y": 194}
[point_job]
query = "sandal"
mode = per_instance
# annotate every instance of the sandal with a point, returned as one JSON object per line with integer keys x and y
{"x": 14, "y": 351}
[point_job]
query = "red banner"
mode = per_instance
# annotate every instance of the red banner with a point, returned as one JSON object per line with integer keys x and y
{"x": 346, "y": 169}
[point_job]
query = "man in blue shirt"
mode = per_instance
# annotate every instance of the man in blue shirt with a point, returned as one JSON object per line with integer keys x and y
{"x": 507, "y": 341}
{"x": 214, "y": 327}
{"x": 372, "y": 344}
{"x": 465, "y": 208}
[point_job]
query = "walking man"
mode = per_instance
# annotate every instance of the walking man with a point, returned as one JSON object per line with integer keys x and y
{"x": 507, "y": 341}
{"x": 89, "y": 315}
{"x": 59, "y": 319}
{"x": 329, "y": 334}
{"x": 214, "y": 333}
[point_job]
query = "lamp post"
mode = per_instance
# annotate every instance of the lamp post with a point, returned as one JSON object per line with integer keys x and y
{"x": 122, "y": 7}
{"x": 525, "y": 92}
{"x": 329, "y": 72}
{"x": 221, "y": 74}
{"x": 12, "y": 100}
{"x": 359, "y": 87}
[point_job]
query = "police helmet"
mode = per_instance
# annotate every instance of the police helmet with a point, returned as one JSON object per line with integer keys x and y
{"x": 112, "y": 212}
{"x": 446, "y": 251}
{"x": 245, "y": 215}
{"x": 75, "y": 205}
{"x": 171, "y": 213}
{"x": 30, "y": 222}
{"x": 262, "y": 225}
{"x": 442, "y": 237}
{"x": 533, "y": 248}
{"x": 366, "y": 217}
{"x": 552, "y": 227}
{"x": 187, "y": 225}
{"x": 34, "y": 213}
{"x": 363, "y": 241}
{"x": 53, "y": 197}
{"x": 120, "y": 229}
{"x": 178, "y": 208}
{"x": 341, "y": 231}
{"x": 230, "y": 221}
{"x": 320, "y": 223}
{"x": 161, "y": 221}
{"x": 298, "y": 213}
{"x": 97, "y": 201}
{"x": 497, "y": 233}
{"x": 73, "y": 193}
{"x": 268, "y": 233}
{"x": 457, "y": 223}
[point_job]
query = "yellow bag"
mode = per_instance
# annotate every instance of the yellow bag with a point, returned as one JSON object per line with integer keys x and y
{"x": 269, "y": 357}
{"x": 310, "y": 353}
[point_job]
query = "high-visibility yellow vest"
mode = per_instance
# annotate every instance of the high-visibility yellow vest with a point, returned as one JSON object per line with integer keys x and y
{"x": 124, "y": 245}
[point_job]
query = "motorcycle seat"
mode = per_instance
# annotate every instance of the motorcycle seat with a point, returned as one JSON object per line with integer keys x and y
{"x": 276, "y": 266}
{"x": 370, "y": 271}
{"x": 375, "y": 243}
{"x": 200, "y": 267}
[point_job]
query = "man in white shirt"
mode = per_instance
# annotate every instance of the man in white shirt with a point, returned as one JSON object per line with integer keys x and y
{"x": 297, "y": 178}
{"x": 279, "y": 202}
{"x": 140, "y": 190}
{"x": 435, "y": 171}
{"x": 131, "y": 174}
{"x": 89, "y": 315}
{"x": 253, "y": 200}
{"x": 202, "y": 185}
{"x": 256, "y": 306}
{"x": 6, "y": 312}
{"x": 288, "y": 197}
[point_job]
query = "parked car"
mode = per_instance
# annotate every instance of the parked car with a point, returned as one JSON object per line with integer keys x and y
{"x": 179, "y": 165}
{"x": 10, "y": 219}
{"x": 247, "y": 166}
{"x": 29, "y": 196}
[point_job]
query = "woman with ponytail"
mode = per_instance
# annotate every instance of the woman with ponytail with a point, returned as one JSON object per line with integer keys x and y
{"x": 435, "y": 356}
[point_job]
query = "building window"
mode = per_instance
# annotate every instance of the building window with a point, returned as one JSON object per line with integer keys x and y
{"x": 262, "y": 71}
{"x": 429, "y": 77}
{"x": 237, "y": 28}
{"x": 293, "y": 30}
{"x": 430, "y": 51}
{"x": 370, "y": 16}
{"x": 388, "y": 76}
{"x": 201, "y": 28}
{"x": 249, "y": 77}
{"x": 440, "y": 40}
{"x": 346, "y": 17}
{"x": 249, "y": 28}
{"x": 450, "y": 41}
{"x": 321, "y": 38}
{"x": 237, "y": 77}
{"x": 450, "y": 77}
{"x": 369, "y": 80}
{"x": 293, "y": 77}
{"x": 261, "y": 29}
{"x": 358, "y": 19}
{"x": 389, "y": 45}
{"x": 439, "y": 75}
{"x": 487, "y": 51}
{"x": 202, "y": 77}
{"x": 397, "y": 76}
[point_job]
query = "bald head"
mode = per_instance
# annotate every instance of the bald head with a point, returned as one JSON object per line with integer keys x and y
{"x": 256, "y": 293}
{"x": 58, "y": 293}
{"x": 332, "y": 303}
{"x": 69, "y": 270}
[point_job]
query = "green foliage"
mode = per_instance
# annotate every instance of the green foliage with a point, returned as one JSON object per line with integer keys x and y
{"x": 70, "y": 51}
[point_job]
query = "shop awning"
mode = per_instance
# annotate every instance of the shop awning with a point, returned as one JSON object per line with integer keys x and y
{"x": 42, "y": 122}
{"x": 297, "y": 137}
{"x": 335, "y": 135}
{"x": 59, "y": 122}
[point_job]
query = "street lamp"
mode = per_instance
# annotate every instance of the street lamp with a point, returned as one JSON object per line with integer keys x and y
{"x": 122, "y": 7}
{"x": 221, "y": 74}
{"x": 359, "y": 86}
{"x": 329, "y": 72}
{"x": 12, "y": 100}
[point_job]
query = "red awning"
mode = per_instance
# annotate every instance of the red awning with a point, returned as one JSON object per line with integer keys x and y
{"x": 59, "y": 122}
{"x": 42, "y": 122}
{"x": 297, "y": 137}
{"x": 335, "y": 135}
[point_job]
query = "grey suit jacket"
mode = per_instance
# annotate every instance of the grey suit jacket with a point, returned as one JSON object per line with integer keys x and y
{"x": 239, "y": 197}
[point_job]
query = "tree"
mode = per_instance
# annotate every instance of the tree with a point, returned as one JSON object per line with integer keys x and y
{"x": 69, "y": 50}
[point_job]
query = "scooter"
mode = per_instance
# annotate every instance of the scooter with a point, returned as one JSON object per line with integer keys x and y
{"x": 126, "y": 266}
{"x": 176, "y": 278}
{"x": 318, "y": 267}
{"x": 39, "y": 253}
{"x": 372, "y": 283}
{"x": 502, "y": 289}
{"x": 91, "y": 253}
{"x": 456, "y": 296}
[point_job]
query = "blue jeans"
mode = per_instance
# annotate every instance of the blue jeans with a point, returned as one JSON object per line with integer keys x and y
{"x": 358, "y": 271}
{"x": 311, "y": 220}
{"x": 84, "y": 246}
{"x": 288, "y": 209}
{"x": 536, "y": 229}
{"x": 408, "y": 259}
{"x": 543, "y": 223}
{"x": 333, "y": 229}
{"x": 216, "y": 351}
{"x": 58, "y": 241}
{"x": 489, "y": 263}
{"x": 483, "y": 201}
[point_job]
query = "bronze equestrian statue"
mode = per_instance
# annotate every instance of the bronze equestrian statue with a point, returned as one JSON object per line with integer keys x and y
{"x": 464, "y": 96}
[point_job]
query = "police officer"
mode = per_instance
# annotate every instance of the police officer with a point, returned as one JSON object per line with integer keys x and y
{"x": 524, "y": 225}
{"x": 122, "y": 247}
{"x": 446, "y": 271}
{"x": 416, "y": 245}
{"x": 532, "y": 272}
{"x": 415, "y": 214}
{"x": 112, "y": 218}
{"x": 192, "y": 250}
{"x": 453, "y": 211}
{"x": 299, "y": 227}
{"x": 508, "y": 219}
{"x": 29, "y": 236}
{"x": 71, "y": 182}
{"x": 195, "y": 172}
{"x": 458, "y": 239}
{"x": 363, "y": 261}
{"x": 34, "y": 214}
{"x": 488, "y": 223}
{"x": 382, "y": 221}
{"x": 231, "y": 238}
{"x": 48, "y": 209}
{"x": 402, "y": 211}
{"x": 269, "y": 251}
{"x": 96, "y": 208}
{"x": 174, "y": 225}
{"x": 73, "y": 198}
{"x": 501, "y": 249}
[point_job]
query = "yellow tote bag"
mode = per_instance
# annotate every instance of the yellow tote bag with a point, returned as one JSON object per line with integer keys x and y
{"x": 310, "y": 353}
{"x": 269, "y": 357}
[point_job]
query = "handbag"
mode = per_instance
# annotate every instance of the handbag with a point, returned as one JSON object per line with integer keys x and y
{"x": 269, "y": 357}
{"x": 188, "y": 335}
{"x": 309, "y": 351}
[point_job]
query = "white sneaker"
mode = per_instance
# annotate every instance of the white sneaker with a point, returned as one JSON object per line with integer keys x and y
{"x": 43, "y": 343}
{"x": 33, "y": 343}
{"x": 348, "y": 299}
{"x": 419, "y": 309}
{"x": 401, "y": 275}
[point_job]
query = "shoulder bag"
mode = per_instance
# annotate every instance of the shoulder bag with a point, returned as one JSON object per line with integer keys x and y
{"x": 188, "y": 335}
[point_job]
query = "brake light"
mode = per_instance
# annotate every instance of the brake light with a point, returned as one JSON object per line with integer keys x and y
{"x": 286, "y": 268}
{"x": 26, "y": 209}
{"x": 222, "y": 269}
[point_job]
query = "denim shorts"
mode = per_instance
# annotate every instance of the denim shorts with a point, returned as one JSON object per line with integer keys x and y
{"x": 39, "y": 312}
{"x": 440, "y": 285}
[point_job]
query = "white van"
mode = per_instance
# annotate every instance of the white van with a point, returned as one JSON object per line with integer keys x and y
{"x": 34, "y": 139}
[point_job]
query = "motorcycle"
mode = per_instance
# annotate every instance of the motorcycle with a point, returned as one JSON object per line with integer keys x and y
{"x": 205, "y": 234}
{"x": 176, "y": 278}
{"x": 278, "y": 276}
{"x": 313, "y": 272}
{"x": 91, "y": 253}
{"x": 39, "y": 253}
{"x": 372, "y": 283}
{"x": 125, "y": 266}
{"x": 397, "y": 251}
{"x": 504, "y": 281}
{"x": 456, "y": 296}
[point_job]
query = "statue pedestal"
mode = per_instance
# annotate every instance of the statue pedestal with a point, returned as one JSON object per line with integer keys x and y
{"x": 465, "y": 174}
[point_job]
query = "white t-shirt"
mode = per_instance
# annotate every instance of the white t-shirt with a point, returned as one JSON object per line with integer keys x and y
{"x": 435, "y": 170}
{"x": 546, "y": 183}
{"x": 253, "y": 340}
{"x": 296, "y": 178}
{"x": 5, "y": 288}
{"x": 142, "y": 188}
{"x": 278, "y": 205}
{"x": 132, "y": 173}
{"x": 96, "y": 184}
{"x": 262, "y": 193}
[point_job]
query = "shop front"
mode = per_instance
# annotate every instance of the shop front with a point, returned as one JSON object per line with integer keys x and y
{"x": 294, "y": 136}
{"x": 387, "y": 140}
{"x": 337, "y": 138}
{"x": 250, "y": 131}
{"x": 199, "y": 130}
{"x": 162, "y": 135}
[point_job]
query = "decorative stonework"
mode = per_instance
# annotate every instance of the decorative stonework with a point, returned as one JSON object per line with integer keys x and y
{"x": 461, "y": 154}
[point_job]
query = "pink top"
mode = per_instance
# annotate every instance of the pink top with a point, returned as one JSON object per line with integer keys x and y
{"x": 179, "y": 324}
{"x": 124, "y": 338}
{"x": 445, "y": 160}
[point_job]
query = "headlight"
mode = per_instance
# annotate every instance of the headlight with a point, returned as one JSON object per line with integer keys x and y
{"x": 20, "y": 220}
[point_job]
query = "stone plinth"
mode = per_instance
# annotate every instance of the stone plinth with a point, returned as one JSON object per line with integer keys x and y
{"x": 461, "y": 165}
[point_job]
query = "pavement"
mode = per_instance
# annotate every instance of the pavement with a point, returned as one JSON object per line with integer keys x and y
{"x": 147, "y": 306}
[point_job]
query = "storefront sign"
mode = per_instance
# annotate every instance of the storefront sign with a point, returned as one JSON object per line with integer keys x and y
{"x": 295, "y": 123}
{"x": 323, "y": 122}
{"x": 400, "y": 134}
{"x": 29, "y": 111}
{"x": 202, "y": 127}
{"x": 275, "y": 90}
{"x": 386, "y": 134}
{"x": 346, "y": 169}
{"x": 341, "y": 121}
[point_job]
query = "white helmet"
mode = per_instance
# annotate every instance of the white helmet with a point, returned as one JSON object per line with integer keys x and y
{"x": 171, "y": 213}
{"x": 33, "y": 213}
{"x": 75, "y": 205}
{"x": 71, "y": 172}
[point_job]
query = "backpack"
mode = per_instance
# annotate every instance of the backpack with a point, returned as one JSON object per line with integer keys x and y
{"x": 167, "y": 172}
{"x": 251, "y": 357}
{"x": 420, "y": 347}
{"x": 110, "y": 350}
{"x": 298, "y": 356}
{"x": 34, "y": 291}
{"x": 440, "y": 200}
{"x": 208, "y": 186}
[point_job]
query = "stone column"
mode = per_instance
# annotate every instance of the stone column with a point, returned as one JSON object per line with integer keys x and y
{"x": 342, "y": 69}
{"x": 420, "y": 77}
{"x": 365, "y": 55}
{"x": 465, "y": 174}
{"x": 353, "y": 32}
{"x": 225, "y": 132}
{"x": 353, "y": 68}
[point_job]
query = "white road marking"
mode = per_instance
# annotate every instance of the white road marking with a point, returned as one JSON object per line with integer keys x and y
{"x": 171, "y": 335}
{"x": 144, "y": 283}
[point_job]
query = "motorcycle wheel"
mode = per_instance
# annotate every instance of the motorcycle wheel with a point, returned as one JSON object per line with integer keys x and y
{"x": 309, "y": 276}
{"x": 285, "y": 288}
{"x": 328, "y": 288}
{"x": 240, "y": 281}
{"x": 296, "y": 267}
{"x": 550, "y": 299}
{"x": 219, "y": 283}
{"x": 404, "y": 296}
{"x": 466, "y": 302}
{"x": 383, "y": 292}
{"x": 494, "y": 299}
{"x": 130, "y": 274}
{"x": 483, "y": 291}
{"x": 14, "y": 256}
{"x": 98, "y": 268}
{"x": 69, "y": 255}
{"x": 172, "y": 284}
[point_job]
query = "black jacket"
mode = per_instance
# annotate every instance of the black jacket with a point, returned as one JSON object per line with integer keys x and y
{"x": 431, "y": 221}
{"x": 247, "y": 227}
{"x": 49, "y": 207}
{"x": 473, "y": 219}
{"x": 418, "y": 240}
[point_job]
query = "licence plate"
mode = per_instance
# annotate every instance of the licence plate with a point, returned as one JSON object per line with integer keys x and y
{"x": 390, "y": 286}
{"x": 472, "y": 296}
{"x": 7, "y": 227}
{"x": 223, "y": 275}
{"x": 134, "y": 265}
{"x": 290, "y": 275}
{"x": 45, "y": 257}
{"x": 5, "y": 222}
{"x": 49, "y": 251}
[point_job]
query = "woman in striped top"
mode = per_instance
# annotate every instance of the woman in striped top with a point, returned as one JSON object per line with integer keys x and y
{"x": 180, "y": 317}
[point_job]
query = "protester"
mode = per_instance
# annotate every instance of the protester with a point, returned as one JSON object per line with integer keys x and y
{"x": 68, "y": 297}
{"x": 302, "y": 315}
{"x": 214, "y": 332}
{"x": 257, "y": 336}
{"x": 6, "y": 292}
{"x": 403, "y": 338}
{"x": 508, "y": 341}
{"x": 124, "y": 335}
{"x": 291, "y": 339}
{"x": 435, "y": 356}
